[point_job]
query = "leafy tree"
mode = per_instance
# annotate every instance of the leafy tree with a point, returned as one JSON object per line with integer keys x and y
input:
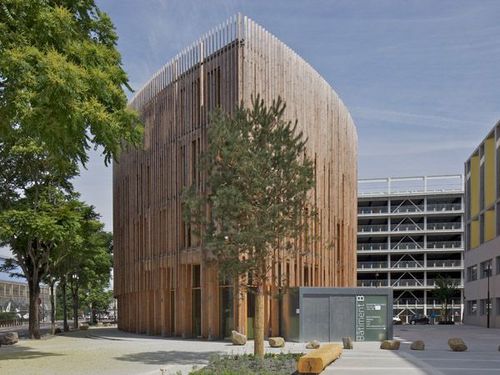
{"x": 38, "y": 214}
{"x": 258, "y": 180}
{"x": 61, "y": 78}
{"x": 90, "y": 266}
{"x": 33, "y": 234}
{"x": 446, "y": 289}
{"x": 96, "y": 300}
{"x": 61, "y": 93}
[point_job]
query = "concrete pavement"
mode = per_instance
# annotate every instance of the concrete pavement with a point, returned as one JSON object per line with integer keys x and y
{"x": 482, "y": 357}
{"x": 108, "y": 351}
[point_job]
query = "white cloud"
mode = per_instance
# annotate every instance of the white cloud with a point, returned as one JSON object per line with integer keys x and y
{"x": 407, "y": 118}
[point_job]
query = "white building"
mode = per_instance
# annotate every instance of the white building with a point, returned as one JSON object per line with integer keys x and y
{"x": 410, "y": 232}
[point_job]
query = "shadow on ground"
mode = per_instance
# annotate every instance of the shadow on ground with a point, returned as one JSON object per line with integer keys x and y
{"x": 114, "y": 334}
{"x": 169, "y": 357}
{"x": 24, "y": 353}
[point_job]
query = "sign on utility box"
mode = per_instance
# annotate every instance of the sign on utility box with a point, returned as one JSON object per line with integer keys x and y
{"x": 371, "y": 318}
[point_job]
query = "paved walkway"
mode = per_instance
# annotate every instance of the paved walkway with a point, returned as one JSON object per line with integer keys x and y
{"x": 108, "y": 351}
{"x": 482, "y": 358}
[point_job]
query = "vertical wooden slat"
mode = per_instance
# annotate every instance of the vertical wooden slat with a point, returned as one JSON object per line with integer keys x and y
{"x": 152, "y": 256}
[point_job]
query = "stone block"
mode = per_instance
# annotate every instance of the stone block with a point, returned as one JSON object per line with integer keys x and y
{"x": 276, "y": 342}
{"x": 390, "y": 345}
{"x": 417, "y": 345}
{"x": 238, "y": 338}
{"x": 10, "y": 338}
{"x": 457, "y": 344}
{"x": 314, "y": 344}
{"x": 347, "y": 342}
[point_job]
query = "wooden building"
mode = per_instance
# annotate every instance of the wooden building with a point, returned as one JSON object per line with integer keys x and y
{"x": 162, "y": 282}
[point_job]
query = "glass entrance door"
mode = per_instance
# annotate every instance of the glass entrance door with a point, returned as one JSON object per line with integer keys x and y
{"x": 226, "y": 311}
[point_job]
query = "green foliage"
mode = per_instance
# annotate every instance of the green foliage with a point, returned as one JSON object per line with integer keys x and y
{"x": 34, "y": 233}
{"x": 446, "y": 289}
{"x": 258, "y": 179}
{"x": 61, "y": 79}
{"x": 61, "y": 93}
{"x": 39, "y": 211}
{"x": 7, "y": 315}
{"x": 273, "y": 364}
{"x": 96, "y": 298}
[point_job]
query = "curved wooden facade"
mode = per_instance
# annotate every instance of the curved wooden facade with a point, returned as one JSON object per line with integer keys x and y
{"x": 162, "y": 283}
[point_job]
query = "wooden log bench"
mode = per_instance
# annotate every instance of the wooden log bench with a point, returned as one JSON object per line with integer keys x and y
{"x": 316, "y": 360}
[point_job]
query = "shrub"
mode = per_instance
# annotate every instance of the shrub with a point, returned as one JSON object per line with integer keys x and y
{"x": 246, "y": 364}
{"x": 7, "y": 316}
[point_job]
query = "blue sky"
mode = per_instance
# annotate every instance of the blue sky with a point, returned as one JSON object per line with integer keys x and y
{"x": 421, "y": 78}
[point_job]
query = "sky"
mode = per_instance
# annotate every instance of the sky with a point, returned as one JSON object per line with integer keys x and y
{"x": 421, "y": 78}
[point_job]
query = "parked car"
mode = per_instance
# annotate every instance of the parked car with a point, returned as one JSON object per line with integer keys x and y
{"x": 396, "y": 320}
{"x": 419, "y": 319}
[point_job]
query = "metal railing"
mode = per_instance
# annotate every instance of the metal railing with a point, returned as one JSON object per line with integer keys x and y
{"x": 372, "y": 283}
{"x": 373, "y": 228}
{"x": 444, "y": 207}
{"x": 372, "y": 247}
{"x": 408, "y": 282}
{"x": 444, "y": 264}
{"x": 406, "y": 227}
{"x": 435, "y": 302}
{"x": 372, "y": 210}
{"x": 408, "y": 301}
{"x": 444, "y": 226}
{"x": 411, "y": 246}
{"x": 407, "y": 208}
{"x": 420, "y": 302}
{"x": 444, "y": 245}
{"x": 406, "y": 264}
{"x": 455, "y": 281}
{"x": 372, "y": 265}
{"x": 408, "y": 246}
{"x": 431, "y": 207}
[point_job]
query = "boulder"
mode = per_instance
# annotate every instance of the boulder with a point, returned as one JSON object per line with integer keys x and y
{"x": 457, "y": 344}
{"x": 390, "y": 345}
{"x": 314, "y": 344}
{"x": 347, "y": 341}
{"x": 84, "y": 327}
{"x": 276, "y": 342}
{"x": 417, "y": 345}
{"x": 9, "y": 338}
{"x": 238, "y": 338}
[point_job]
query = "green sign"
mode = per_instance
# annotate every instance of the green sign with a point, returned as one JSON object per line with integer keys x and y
{"x": 371, "y": 318}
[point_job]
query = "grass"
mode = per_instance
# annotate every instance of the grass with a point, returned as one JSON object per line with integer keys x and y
{"x": 247, "y": 364}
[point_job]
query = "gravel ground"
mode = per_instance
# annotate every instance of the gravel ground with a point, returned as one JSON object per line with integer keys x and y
{"x": 108, "y": 351}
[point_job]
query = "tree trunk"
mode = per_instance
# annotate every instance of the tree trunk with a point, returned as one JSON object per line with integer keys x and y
{"x": 74, "y": 293}
{"x": 65, "y": 306}
{"x": 34, "y": 310}
{"x": 259, "y": 323}
{"x": 52, "y": 309}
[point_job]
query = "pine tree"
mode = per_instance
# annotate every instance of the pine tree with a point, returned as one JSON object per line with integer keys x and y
{"x": 259, "y": 177}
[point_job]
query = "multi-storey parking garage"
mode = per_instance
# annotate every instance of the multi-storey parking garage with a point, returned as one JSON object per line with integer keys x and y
{"x": 410, "y": 232}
